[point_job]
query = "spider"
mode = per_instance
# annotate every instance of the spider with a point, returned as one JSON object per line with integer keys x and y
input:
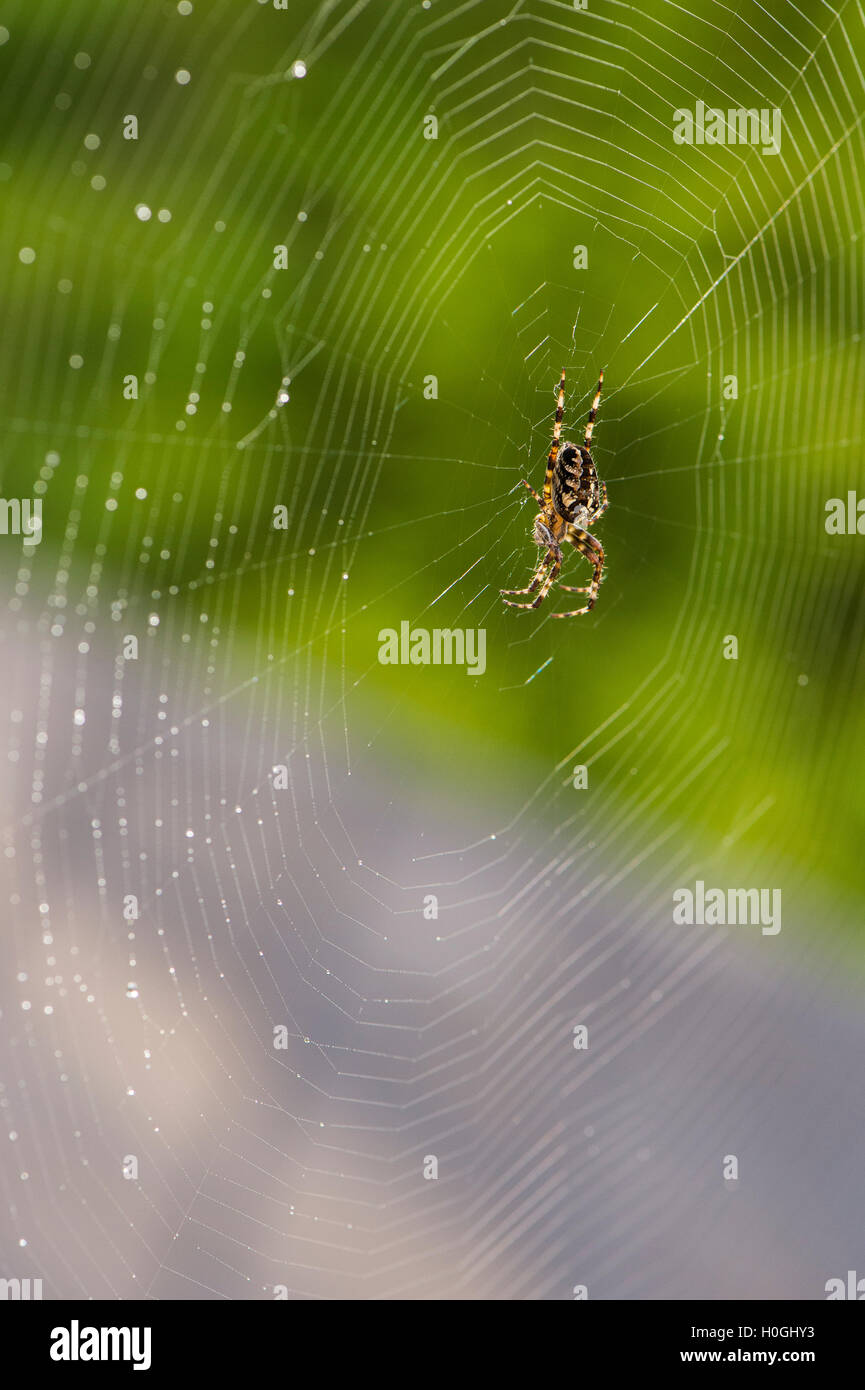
{"x": 574, "y": 500}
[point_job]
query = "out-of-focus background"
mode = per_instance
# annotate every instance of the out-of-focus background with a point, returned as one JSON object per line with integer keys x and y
{"x": 295, "y": 943}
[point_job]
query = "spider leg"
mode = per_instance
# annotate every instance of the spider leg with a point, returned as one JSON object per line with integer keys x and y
{"x": 593, "y": 412}
{"x": 532, "y": 491}
{"x": 530, "y": 589}
{"x": 587, "y": 545}
{"x": 552, "y": 574}
{"x": 539, "y": 574}
{"x": 554, "y": 447}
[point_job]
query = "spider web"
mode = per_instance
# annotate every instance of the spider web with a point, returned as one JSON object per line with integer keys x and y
{"x": 389, "y": 388}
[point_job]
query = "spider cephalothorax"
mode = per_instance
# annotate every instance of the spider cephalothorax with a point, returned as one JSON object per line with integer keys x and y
{"x": 574, "y": 500}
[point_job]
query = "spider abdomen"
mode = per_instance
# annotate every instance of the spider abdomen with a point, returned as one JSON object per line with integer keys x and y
{"x": 575, "y": 483}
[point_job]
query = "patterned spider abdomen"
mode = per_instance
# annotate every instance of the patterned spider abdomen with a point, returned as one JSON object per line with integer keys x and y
{"x": 576, "y": 489}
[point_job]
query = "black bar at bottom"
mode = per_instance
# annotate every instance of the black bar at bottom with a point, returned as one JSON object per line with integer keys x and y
{"x": 63, "y": 1338}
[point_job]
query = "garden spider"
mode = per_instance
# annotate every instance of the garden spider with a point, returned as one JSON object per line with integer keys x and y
{"x": 574, "y": 500}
